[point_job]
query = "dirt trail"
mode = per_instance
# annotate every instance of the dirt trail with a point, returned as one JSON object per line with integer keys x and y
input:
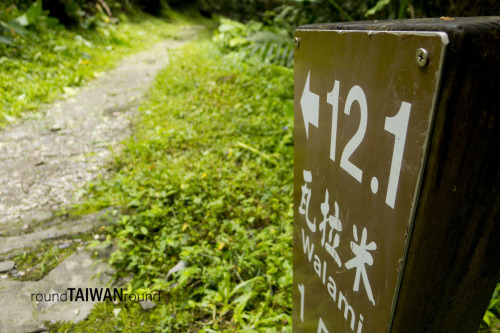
{"x": 43, "y": 160}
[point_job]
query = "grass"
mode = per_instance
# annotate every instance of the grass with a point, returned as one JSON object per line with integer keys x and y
{"x": 206, "y": 178}
{"x": 48, "y": 61}
{"x": 127, "y": 317}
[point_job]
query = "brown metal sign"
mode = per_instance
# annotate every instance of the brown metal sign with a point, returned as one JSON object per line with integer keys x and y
{"x": 363, "y": 113}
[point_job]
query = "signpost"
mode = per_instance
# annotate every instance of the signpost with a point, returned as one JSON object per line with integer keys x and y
{"x": 369, "y": 108}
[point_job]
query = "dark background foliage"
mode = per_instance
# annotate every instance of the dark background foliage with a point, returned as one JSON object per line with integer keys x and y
{"x": 291, "y": 12}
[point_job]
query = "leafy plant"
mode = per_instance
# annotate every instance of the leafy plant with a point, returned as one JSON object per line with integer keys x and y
{"x": 491, "y": 319}
{"x": 31, "y": 16}
{"x": 379, "y": 6}
{"x": 272, "y": 45}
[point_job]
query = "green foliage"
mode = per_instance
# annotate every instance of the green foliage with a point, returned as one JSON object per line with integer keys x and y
{"x": 126, "y": 317}
{"x": 18, "y": 25}
{"x": 293, "y": 13}
{"x": 40, "y": 60}
{"x": 381, "y": 4}
{"x": 69, "y": 12}
{"x": 207, "y": 178}
{"x": 269, "y": 44}
{"x": 290, "y": 14}
{"x": 88, "y": 14}
{"x": 491, "y": 319}
{"x": 242, "y": 10}
{"x": 31, "y": 16}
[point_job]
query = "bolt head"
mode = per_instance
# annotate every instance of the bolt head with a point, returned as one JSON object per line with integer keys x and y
{"x": 422, "y": 57}
{"x": 297, "y": 41}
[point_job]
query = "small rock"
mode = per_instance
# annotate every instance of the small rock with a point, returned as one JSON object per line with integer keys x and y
{"x": 55, "y": 128}
{"x": 179, "y": 267}
{"x": 7, "y": 265}
{"x": 116, "y": 312}
{"x": 147, "y": 305}
{"x": 41, "y": 329}
{"x": 63, "y": 246}
{"x": 4, "y": 276}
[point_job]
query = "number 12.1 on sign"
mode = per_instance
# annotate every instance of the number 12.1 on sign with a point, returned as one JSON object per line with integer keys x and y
{"x": 397, "y": 125}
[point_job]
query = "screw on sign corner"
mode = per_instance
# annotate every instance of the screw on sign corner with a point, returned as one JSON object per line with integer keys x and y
{"x": 422, "y": 57}
{"x": 297, "y": 41}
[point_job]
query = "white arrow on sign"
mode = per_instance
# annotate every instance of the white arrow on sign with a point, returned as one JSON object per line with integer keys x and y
{"x": 309, "y": 102}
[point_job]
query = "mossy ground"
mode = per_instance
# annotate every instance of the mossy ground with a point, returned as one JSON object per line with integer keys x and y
{"x": 34, "y": 264}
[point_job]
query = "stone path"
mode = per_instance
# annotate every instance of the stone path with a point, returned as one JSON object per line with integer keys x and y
{"x": 51, "y": 228}
{"x": 43, "y": 160}
{"x": 20, "y": 310}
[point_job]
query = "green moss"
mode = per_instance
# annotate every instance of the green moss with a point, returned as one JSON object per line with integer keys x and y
{"x": 127, "y": 317}
{"x": 36, "y": 263}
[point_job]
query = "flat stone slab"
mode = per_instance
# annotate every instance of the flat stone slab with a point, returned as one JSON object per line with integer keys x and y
{"x": 7, "y": 265}
{"x": 147, "y": 305}
{"x": 43, "y": 161}
{"x": 62, "y": 228}
{"x": 21, "y": 312}
{"x": 26, "y": 224}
